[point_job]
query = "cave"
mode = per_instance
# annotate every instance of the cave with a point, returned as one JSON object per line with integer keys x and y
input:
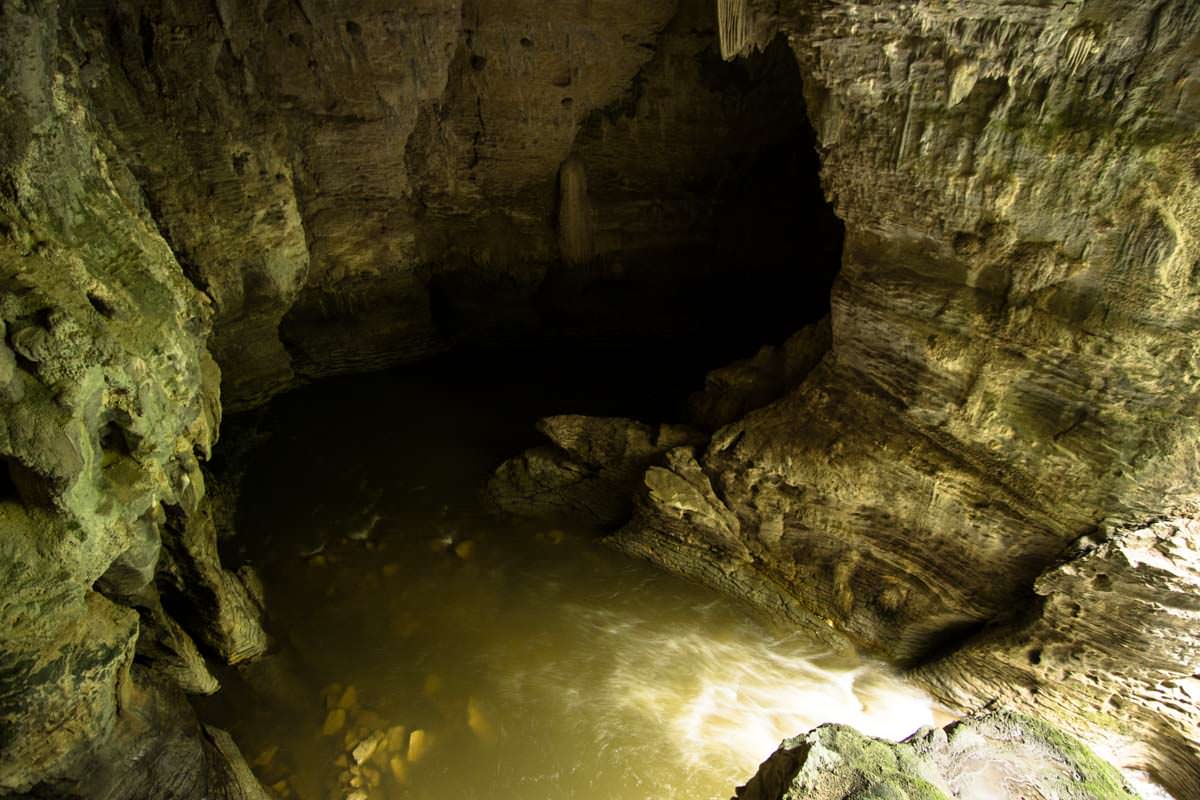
{"x": 605, "y": 399}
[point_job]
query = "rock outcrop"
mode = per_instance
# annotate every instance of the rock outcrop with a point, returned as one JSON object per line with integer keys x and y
{"x": 973, "y": 480}
{"x": 109, "y": 400}
{"x": 1012, "y": 372}
{"x": 357, "y": 185}
{"x": 733, "y": 391}
{"x": 588, "y": 473}
{"x": 995, "y": 756}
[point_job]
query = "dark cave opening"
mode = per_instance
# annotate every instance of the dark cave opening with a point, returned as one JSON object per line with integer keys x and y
{"x": 393, "y": 524}
{"x": 737, "y": 249}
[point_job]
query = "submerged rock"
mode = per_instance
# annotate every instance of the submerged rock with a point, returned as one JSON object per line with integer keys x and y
{"x": 589, "y": 471}
{"x": 997, "y": 756}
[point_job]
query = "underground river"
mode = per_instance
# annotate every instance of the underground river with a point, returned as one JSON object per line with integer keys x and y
{"x": 424, "y": 649}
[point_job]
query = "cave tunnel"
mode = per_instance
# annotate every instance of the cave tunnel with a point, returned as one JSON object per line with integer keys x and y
{"x": 602, "y": 400}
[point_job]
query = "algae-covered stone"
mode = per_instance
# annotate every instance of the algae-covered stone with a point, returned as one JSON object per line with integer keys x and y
{"x": 1000, "y": 756}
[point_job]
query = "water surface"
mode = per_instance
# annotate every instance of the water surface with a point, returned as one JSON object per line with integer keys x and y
{"x": 466, "y": 657}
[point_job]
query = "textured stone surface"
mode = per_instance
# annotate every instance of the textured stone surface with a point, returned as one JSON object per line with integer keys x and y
{"x": 359, "y": 184}
{"x": 589, "y": 471}
{"x": 733, "y": 391}
{"x": 108, "y": 398}
{"x": 994, "y": 757}
{"x": 1014, "y": 358}
{"x": 1109, "y": 645}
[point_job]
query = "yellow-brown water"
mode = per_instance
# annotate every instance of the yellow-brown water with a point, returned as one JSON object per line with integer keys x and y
{"x": 463, "y": 657}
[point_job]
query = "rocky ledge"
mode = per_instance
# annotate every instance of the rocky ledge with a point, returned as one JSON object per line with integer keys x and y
{"x": 991, "y": 475}
{"x": 994, "y": 756}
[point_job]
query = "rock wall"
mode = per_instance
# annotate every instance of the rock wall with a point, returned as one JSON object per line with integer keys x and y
{"x": 320, "y": 186}
{"x": 1013, "y": 365}
{"x": 356, "y": 184}
{"x": 108, "y": 403}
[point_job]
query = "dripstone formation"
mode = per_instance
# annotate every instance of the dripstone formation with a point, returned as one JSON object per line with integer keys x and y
{"x": 983, "y": 464}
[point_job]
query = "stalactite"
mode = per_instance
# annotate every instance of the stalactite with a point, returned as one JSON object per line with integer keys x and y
{"x": 574, "y": 213}
{"x": 734, "y": 23}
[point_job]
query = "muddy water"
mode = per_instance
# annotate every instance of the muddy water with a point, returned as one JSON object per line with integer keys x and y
{"x": 462, "y": 657}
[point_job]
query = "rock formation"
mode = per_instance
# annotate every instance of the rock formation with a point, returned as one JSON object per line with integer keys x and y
{"x": 108, "y": 401}
{"x": 994, "y": 756}
{"x": 1010, "y": 401}
{"x": 990, "y": 475}
{"x": 589, "y": 472}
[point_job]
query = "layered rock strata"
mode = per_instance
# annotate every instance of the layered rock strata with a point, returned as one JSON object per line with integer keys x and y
{"x": 1011, "y": 382}
{"x": 589, "y": 471}
{"x": 358, "y": 185}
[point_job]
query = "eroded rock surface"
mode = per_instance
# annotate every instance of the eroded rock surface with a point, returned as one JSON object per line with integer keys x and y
{"x": 995, "y": 756}
{"x": 108, "y": 402}
{"x": 589, "y": 471}
{"x": 356, "y": 184}
{"x": 733, "y": 391}
{"x": 1109, "y": 645}
{"x": 1013, "y": 359}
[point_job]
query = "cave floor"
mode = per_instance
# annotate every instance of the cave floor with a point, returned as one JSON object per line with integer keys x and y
{"x": 458, "y": 655}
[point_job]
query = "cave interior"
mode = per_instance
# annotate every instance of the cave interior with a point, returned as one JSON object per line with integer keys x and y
{"x": 599, "y": 399}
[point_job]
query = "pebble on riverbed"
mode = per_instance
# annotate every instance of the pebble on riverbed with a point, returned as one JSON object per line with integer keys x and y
{"x": 399, "y": 769}
{"x": 374, "y": 754}
{"x": 335, "y": 720}
{"x": 479, "y": 723}
{"x": 366, "y": 748}
{"x": 419, "y": 744}
{"x": 349, "y": 698}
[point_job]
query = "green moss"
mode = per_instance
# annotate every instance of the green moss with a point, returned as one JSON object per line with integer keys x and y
{"x": 883, "y": 771}
{"x": 1095, "y": 777}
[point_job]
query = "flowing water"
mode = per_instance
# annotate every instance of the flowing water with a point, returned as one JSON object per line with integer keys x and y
{"x": 458, "y": 656}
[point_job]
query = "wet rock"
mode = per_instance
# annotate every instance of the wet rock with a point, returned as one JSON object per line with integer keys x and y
{"x": 265, "y": 758}
{"x": 1107, "y": 652}
{"x": 348, "y": 698}
{"x": 420, "y": 742}
{"x": 231, "y": 778}
{"x": 999, "y": 756}
{"x": 225, "y": 606}
{"x": 100, "y": 426}
{"x": 8, "y": 363}
{"x": 166, "y": 646}
{"x": 396, "y": 739}
{"x": 479, "y": 722}
{"x": 335, "y": 720}
{"x": 365, "y": 749}
{"x": 398, "y": 769}
{"x": 588, "y": 473}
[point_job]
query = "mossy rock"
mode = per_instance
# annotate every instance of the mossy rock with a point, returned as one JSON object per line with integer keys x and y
{"x": 999, "y": 754}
